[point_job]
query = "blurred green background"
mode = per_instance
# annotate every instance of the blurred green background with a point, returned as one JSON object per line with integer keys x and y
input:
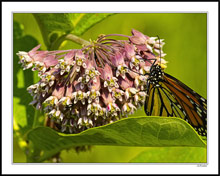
{"x": 185, "y": 36}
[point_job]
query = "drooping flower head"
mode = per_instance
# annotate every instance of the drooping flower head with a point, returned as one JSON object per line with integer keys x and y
{"x": 95, "y": 85}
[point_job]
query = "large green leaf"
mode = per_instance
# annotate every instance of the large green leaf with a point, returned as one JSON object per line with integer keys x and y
{"x": 172, "y": 155}
{"x": 133, "y": 131}
{"x": 53, "y": 25}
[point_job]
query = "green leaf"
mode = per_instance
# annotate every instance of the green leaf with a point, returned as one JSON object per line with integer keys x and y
{"x": 172, "y": 155}
{"x": 58, "y": 24}
{"x": 50, "y": 23}
{"x": 23, "y": 113}
{"x": 133, "y": 131}
{"x": 83, "y": 21}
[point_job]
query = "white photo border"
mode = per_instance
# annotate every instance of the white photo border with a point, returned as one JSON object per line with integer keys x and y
{"x": 8, "y": 8}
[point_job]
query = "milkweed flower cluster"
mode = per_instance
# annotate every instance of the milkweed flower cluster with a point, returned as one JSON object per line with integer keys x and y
{"x": 96, "y": 85}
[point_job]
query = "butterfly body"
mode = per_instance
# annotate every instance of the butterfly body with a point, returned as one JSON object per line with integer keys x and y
{"x": 156, "y": 76}
{"x": 167, "y": 96}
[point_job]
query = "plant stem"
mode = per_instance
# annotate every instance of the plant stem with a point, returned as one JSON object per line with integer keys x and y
{"x": 76, "y": 39}
{"x": 70, "y": 37}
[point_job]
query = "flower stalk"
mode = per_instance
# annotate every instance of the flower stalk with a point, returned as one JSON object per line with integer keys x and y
{"x": 70, "y": 37}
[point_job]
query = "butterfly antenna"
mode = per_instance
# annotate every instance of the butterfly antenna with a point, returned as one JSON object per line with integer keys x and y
{"x": 160, "y": 48}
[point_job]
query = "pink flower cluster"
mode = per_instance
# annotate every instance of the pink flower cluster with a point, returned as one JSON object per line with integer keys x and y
{"x": 95, "y": 85}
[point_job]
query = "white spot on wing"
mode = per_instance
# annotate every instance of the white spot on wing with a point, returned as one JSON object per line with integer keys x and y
{"x": 198, "y": 109}
{"x": 191, "y": 101}
{"x": 179, "y": 106}
{"x": 202, "y": 99}
{"x": 184, "y": 113}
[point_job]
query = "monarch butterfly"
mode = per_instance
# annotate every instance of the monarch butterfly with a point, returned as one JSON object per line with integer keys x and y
{"x": 167, "y": 96}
